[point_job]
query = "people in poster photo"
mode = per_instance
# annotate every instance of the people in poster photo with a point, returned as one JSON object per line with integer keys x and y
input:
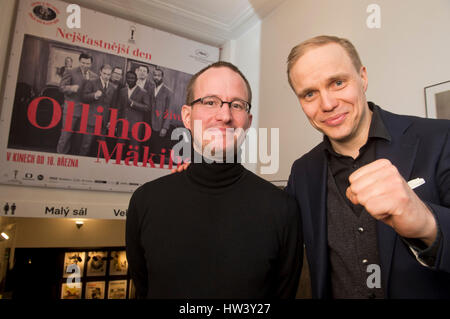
{"x": 77, "y": 132}
{"x": 99, "y": 94}
{"x": 133, "y": 103}
{"x": 160, "y": 119}
{"x": 68, "y": 62}
{"x": 72, "y": 85}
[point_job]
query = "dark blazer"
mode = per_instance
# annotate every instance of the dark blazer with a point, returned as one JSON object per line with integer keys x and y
{"x": 160, "y": 116}
{"x": 105, "y": 100}
{"x": 74, "y": 77}
{"x": 141, "y": 105}
{"x": 419, "y": 148}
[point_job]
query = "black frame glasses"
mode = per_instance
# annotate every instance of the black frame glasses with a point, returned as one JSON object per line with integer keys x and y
{"x": 230, "y": 103}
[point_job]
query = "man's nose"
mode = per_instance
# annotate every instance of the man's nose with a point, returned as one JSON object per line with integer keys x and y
{"x": 329, "y": 101}
{"x": 224, "y": 113}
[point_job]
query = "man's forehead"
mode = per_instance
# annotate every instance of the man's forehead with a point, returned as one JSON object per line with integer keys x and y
{"x": 213, "y": 77}
{"x": 321, "y": 63}
{"x": 330, "y": 55}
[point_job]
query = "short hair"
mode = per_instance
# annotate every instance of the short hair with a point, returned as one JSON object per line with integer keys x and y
{"x": 106, "y": 66}
{"x": 219, "y": 64}
{"x": 117, "y": 68}
{"x": 85, "y": 56}
{"x": 68, "y": 58}
{"x": 143, "y": 66}
{"x": 131, "y": 72}
{"x": 299, "y": 50}
{"x": 159, "y": 70}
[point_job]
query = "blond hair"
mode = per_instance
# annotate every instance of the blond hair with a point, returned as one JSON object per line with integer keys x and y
{"x": 299, "y": 50}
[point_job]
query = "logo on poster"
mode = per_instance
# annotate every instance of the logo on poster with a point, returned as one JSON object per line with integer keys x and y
{"x": 44, "y": 13}
{"x": 132, "y": 32}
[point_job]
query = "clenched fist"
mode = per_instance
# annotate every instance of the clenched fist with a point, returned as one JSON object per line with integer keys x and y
{"x": 386, "y": 196}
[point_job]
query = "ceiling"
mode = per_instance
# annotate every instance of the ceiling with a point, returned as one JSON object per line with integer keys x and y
{"x": 213, "y": 22}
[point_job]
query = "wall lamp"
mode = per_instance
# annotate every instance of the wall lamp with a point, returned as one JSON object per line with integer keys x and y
{"x": 79, "y": 223}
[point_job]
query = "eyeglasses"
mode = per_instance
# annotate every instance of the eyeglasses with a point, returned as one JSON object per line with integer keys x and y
{"x": 214, "y": 103}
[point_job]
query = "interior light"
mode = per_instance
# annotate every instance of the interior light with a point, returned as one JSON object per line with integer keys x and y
{"x": 5, "y": 235}
{"x": 79, "y": 223}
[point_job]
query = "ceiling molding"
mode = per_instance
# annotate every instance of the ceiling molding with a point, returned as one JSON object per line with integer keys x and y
{"x": 197, "y": 25}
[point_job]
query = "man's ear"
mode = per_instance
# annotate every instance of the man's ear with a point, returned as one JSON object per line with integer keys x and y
{"x": 250, "y": 118}
{"x": 363, "y": 75}
{"x": 186, "y": 111}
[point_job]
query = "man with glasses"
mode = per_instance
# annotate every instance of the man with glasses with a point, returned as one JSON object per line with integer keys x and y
{"x": 215, "y": 230}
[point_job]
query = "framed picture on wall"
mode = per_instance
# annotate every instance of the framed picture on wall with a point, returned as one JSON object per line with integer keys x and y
{"x": 74, "y": 264}
{"x": 96, "y": 265}
{"x": 118, "y": 265}
{"x": 117, "y": 289}
{"x": 95, "y": 290}
{"x": 437, "y": 100}
{"x": 60, "y": 60}
{"x": 71, "y": 291}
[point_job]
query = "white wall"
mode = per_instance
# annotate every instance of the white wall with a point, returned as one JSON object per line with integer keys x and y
{"x": 411, "y": 50}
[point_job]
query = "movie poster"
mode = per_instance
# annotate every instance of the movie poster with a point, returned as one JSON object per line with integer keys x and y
{"x": 92, "y": 107}
{"x": 74, "y": 264}
{"x": 97, "y": 261}
{"x": 95, "y": 290}
{"x": 118, "y": 264}
{"x": 71, "y": 291}
{"x": 117, "y": 289}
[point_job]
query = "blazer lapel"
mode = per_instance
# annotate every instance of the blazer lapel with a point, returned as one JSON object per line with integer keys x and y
{"x": 401, "y": 151}
{"x": 135, "y": 93}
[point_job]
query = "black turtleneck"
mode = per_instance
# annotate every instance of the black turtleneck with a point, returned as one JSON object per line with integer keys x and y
{"x": 213, "y": 231}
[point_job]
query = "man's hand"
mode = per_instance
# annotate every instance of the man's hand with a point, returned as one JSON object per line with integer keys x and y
{"x": 180, "y": 168}
{"x": 163, "y": 132}
{"x": 384, "y": 193}
{"x": 74, "y": 88}
{"x": 98, "y": 94}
